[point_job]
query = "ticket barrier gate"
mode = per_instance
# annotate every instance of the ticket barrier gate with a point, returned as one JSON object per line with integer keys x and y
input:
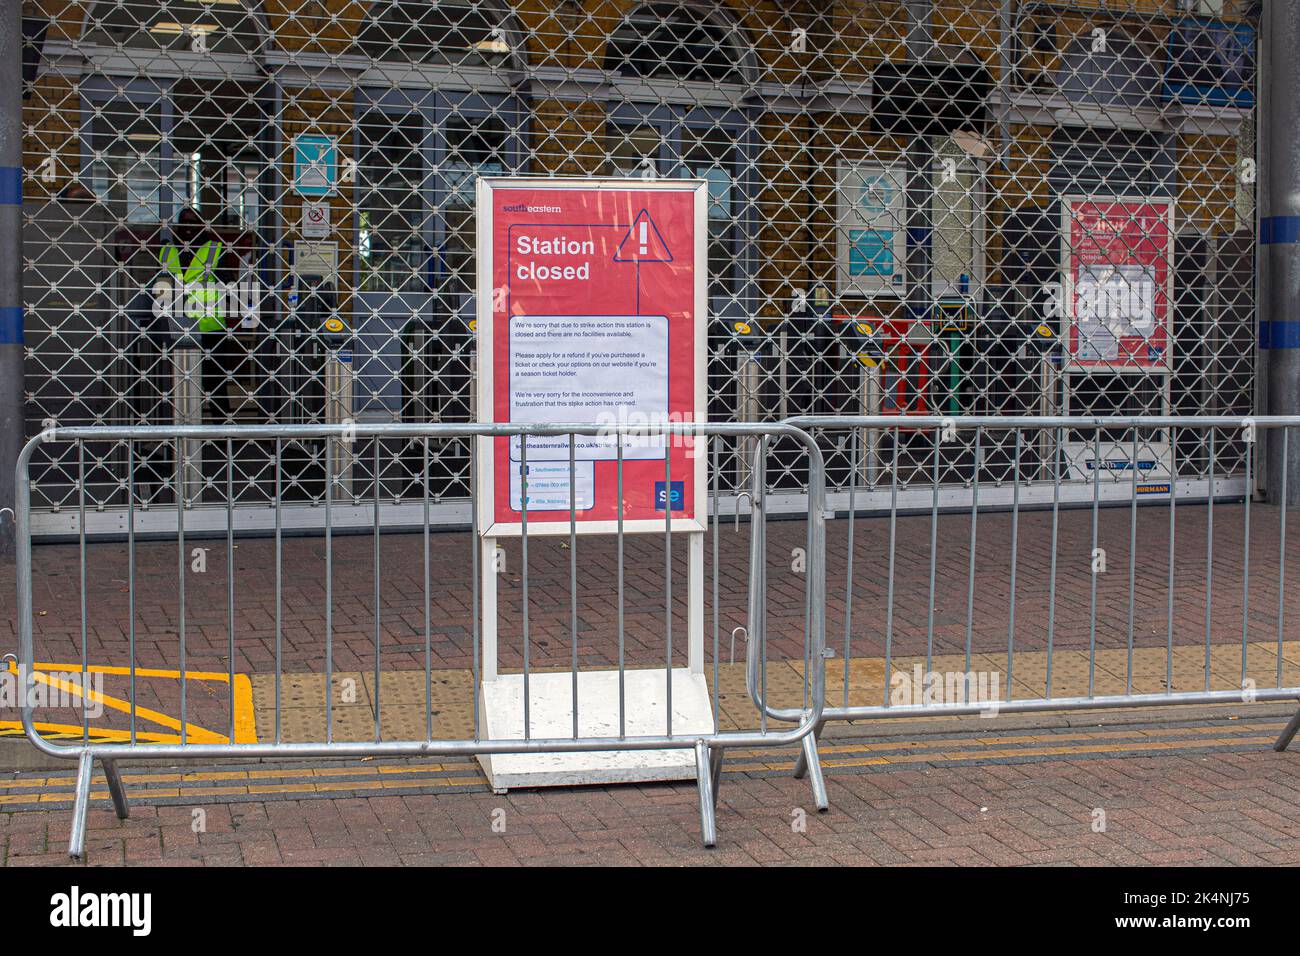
{"x": 747, "y": 340}
{"x": 325, "y": 382}
{"x": 314, "y": 381}
{"x": 912, "y": 367}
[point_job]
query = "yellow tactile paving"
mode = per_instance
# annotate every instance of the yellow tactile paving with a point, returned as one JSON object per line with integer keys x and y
{"x": 403, "y": 702}
{"x": 1070, "y": 671}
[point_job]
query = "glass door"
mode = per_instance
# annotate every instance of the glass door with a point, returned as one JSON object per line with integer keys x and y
{"x": 395, "y": 238}
{"x": 419, "y": 155}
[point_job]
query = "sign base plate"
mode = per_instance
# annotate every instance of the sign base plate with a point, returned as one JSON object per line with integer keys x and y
{"x": 551, "y": 715}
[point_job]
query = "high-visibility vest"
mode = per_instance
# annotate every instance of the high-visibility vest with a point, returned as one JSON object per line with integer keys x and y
{"x": 199, "y": 279}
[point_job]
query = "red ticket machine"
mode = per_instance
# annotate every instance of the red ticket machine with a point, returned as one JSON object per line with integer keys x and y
{"x": 906, "y": 368}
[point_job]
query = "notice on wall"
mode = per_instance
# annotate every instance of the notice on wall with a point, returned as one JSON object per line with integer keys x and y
{"x": 1118, "y": 274}
{"x": 315, "y": 164}
{"x": 315, "y": 222}
{"x": 871, "y": 234}
{"x": 591, "y": 310}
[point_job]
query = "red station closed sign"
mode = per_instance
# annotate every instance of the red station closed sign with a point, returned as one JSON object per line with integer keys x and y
{"x": 591, "y": 310}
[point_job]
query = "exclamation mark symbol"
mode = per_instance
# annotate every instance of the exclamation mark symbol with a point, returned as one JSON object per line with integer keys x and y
{"x": 645, "y": 238}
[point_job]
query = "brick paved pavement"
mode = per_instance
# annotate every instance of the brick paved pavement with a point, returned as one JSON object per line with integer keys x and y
{"x": 401, "y": 611}
{"x": 1207, "y": 800}
{"x": 1177, "y": 805}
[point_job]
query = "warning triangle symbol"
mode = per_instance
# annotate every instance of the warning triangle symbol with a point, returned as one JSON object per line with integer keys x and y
{"x": 643, "y": 242}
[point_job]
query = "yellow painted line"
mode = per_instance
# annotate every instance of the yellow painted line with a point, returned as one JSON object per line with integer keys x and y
{"x": 338, "y": 771}
{"x": 193, "y": 732}
{"x": 860, "y": 762}
{"x": 350, "y": 785}
{"x": 1038, "y": 752}
{"x": 431, "y": 768}
{"x": 116, "y": 670}
{"x": 214, "y": 775}
{"x": 443, "y": 782}
{"x": 63, "y": 797}
{"x": 245, "y": 722}
{"x": 263, "y": 774}
{"x": 447, "y": 782}
{"x": 71, "y": 731}
{"x": 1190, "y": 732}
{"x": 282, "y": 788}
{"x": 24, "y": 798}
{"x": 152, "y": 778}
{"x": 756, "y": 767}
{"x": 39, "y": 782}
{"x": 214, "y": 791}
{"x": 1109, "y": 742}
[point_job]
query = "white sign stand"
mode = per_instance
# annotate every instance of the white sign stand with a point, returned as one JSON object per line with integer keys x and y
{"x": 550, "y": 702}
{"x": 551, "y": 694}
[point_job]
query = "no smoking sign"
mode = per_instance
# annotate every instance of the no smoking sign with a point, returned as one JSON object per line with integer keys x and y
{"x": 315, "y": 220}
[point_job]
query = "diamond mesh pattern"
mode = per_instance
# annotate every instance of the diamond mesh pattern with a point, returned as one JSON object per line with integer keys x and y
{"x": 911, "y": 166}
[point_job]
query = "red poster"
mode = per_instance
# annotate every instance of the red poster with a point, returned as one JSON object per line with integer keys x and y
{"x": 1118, "y": 256}
{"x": 591, "y": 311}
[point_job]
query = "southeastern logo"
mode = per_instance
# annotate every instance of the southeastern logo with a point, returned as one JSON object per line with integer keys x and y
{"x": 676, "y": 494}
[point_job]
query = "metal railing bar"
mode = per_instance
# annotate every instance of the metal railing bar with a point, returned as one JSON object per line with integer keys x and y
{"x": 713, "y": 515}
{"x": 1051, "y": 587}
{"x": 1281, "y": 553}
{"x": 81, "y": 551}
{"x": 977, "y": 463}
{"x": 279, "y": 588}
{"x": 1093, "y": 556}
{"x": 622, "y": 673}
{"x": 476, "y": 571}
{"x": 934, "y": 551}
{"x": 523, "y": 546}
{"x": 378, "y": 671}
{"x": 1132, "y": 559}
{"x": 1209, "y": 556}
{"x": 1245, "y": 558}
{"x": 848, "y": 574}
{"x": 893, "y": 540}
{"x": 1173, "y": 529}
{"x": 668, "y": 583}
{"x": 130, "y": 586}
{"x": 329, "y": 588}
{"x": 428, "y": 594}
{"x": 573, "y": 574}
{"x": 230, "y": 586}
{"x": 1015, "y": 563}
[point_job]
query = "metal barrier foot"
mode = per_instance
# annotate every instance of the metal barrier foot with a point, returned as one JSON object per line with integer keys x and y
{"x": 115, "y": 789}
{"x": 809, "y": 762}
{"x": 77, "y": 838}
{"x": 801, "y": 761}
{"x": 715, "y": 767}
{"x": 708, "y": 794}
{"x": 1288, "y": 733}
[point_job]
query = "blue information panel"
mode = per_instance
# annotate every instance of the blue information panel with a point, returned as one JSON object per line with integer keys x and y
{"x": 315, "y": 164}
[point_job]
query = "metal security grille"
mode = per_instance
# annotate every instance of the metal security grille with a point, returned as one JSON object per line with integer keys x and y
{"x": 968, "y": 207}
